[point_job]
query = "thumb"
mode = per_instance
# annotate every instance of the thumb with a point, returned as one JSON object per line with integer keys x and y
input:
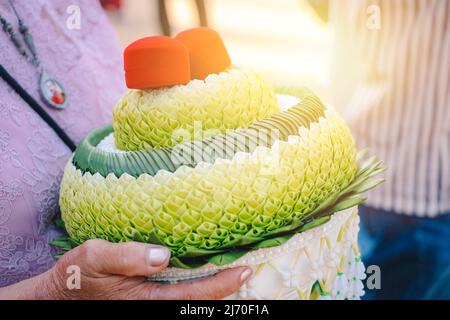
{"x": 100, "y": 257}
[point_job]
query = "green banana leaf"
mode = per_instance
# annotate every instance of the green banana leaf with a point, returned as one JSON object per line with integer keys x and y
{"x": 194, "y": 257}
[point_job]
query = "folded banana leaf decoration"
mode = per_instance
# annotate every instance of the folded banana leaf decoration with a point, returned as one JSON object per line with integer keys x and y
{"x": 267, "y": 174}
{"x": 229, "y": 100}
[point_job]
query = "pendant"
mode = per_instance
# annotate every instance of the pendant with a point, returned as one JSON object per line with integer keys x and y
{"x": 52, "y": 92}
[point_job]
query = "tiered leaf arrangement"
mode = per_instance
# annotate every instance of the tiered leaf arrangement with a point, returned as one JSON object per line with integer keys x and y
{"x": 215, "y": 207}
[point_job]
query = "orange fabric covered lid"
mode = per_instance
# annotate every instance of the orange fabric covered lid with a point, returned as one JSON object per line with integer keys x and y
{"x": 154, "y": 62}
{"x": 207, "y": 51}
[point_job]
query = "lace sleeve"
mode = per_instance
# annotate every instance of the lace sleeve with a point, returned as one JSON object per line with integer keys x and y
{"x": 88, "y": 63}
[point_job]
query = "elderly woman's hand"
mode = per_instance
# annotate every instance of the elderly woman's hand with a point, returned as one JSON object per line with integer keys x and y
{"x": 117, "y": 271}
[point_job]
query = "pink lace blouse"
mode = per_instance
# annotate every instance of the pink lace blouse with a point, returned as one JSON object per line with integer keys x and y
{"x": 87, "y": 61}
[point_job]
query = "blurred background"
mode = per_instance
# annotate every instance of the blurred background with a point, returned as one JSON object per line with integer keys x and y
{"x": 286, "y": 41}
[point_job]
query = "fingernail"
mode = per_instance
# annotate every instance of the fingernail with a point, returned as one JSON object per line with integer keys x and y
{"x": 246, "y": 274}
{"x": 157, "y": 256}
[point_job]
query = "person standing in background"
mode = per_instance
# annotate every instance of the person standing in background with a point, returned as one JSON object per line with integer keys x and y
{"x": 391, "y": 81}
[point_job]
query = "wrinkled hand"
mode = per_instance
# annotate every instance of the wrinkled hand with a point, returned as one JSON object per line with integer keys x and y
{"x": 117, "y": 271}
